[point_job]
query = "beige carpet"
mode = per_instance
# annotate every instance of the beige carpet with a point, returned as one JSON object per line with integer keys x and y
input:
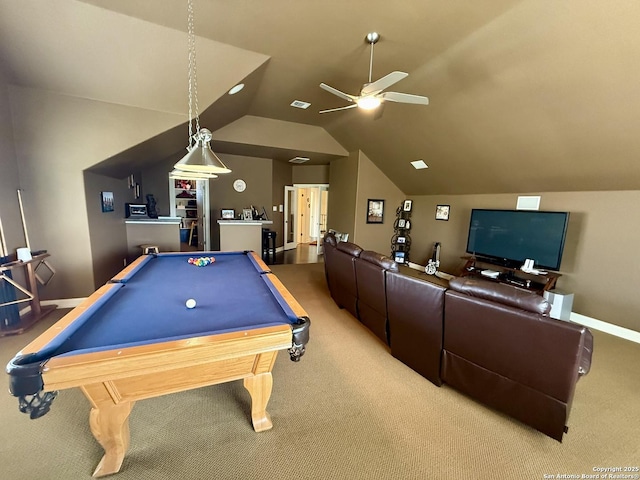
{"x": 348, "y": 410}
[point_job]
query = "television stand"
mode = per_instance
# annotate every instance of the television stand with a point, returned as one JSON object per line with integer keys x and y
{"x": 538, "y": 283}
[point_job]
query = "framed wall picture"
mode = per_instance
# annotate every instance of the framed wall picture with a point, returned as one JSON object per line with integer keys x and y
{"x": 401, "y": 222}
{"x": 401, "y": 240}
{"x": 406, "y": 206}
{"x": 399, "y": 257}
{"x": 375, "y": 210}
{"x": 107, "y": 201}
{"x": 442, "y": 212}
{"x": 228, "y": 213}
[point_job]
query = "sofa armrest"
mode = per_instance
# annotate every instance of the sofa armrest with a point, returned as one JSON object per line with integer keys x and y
{"x": 587, "y": 352}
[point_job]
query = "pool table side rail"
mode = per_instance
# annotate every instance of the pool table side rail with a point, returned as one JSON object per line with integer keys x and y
{"x": 289, "y": 299}
{"x": 74, "y": 371}
{"x": 130, "y": 270}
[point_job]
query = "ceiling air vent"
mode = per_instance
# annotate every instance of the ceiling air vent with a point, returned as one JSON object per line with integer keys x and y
{"x": 299, "y": 160}
{"x": 300, "y": 104}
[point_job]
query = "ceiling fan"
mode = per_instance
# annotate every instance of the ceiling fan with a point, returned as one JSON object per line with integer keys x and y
{"x": 372, "y": 94}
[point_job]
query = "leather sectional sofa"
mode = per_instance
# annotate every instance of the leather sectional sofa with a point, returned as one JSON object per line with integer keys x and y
{"x": 490, "y": 341}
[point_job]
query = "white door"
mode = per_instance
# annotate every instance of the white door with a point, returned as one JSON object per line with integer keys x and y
{"x": 290, "y": 239}
{"x": 303, "y": 224}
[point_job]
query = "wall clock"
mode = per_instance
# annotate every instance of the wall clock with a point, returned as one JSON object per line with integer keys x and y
{"x": 239, "y": 185}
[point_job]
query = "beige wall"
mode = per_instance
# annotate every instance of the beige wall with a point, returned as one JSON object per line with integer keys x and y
{"x": 341, "y": 211}
{"x": 48, "y": 140}
{"x": 373, "y": 184}
{"x": 310, "y": 174}
{"x": 107, "y": 231}
{"x": 256, "y": 172}
{"x": 282, "y": 175}
{"x": 599, "y": 265}
{"x": 9, "y": 181}
{"x": 56, "y": 138}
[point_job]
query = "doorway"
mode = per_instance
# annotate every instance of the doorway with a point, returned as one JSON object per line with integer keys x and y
{"x": 190, "y": 201}
{"x": 305, "y": 212}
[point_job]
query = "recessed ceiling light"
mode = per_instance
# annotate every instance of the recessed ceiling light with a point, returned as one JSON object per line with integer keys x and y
{"x": 419, "y": 164}
{"x": 300, "y": 104}
{"x": 236, "y": 89}
{"x": 299, "y": 160}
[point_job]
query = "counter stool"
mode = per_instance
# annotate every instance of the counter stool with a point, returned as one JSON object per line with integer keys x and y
{"x": 147, "y": 249}
{"x": 193, "y": 233}
{"x": 269, "y": 245}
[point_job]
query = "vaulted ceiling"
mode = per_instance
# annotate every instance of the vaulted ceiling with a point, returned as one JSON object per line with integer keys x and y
{"x": 525, "y": 95}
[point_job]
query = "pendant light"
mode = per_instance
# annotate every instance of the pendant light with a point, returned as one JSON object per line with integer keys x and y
{"x": 200, "y": 158}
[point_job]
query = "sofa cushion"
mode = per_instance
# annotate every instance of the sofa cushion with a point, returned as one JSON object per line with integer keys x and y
{"x": 380, "y": 260}
{"x": 371, "y": 268}
{"x": 501, "y": 293}
{"x": 415, "y": 307}
{"x": 350, "y": 248}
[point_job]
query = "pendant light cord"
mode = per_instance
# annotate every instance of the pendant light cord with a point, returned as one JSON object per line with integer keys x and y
{"x": 193, "y": 81}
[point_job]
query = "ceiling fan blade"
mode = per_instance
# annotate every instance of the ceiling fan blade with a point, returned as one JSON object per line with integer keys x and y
{"x": 404, "y": 98}
{"x": 384, "y": 82}
{"x": 338, "y": 93}
{"x": 379, "y": 112}
{"x": 339, "y": 108}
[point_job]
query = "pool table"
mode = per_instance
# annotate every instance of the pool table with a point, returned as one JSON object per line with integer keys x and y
{"x": 135, "y": 338}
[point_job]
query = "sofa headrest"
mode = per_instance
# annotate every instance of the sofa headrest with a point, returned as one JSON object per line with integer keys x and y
{"x": 330, "y": 239}
{"x": 350, "y": 248}
{"x": 379, "y": 260}
{"x": 501, "y": 293}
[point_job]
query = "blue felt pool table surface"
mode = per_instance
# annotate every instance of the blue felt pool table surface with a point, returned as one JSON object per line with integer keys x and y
{"x": 148, "y": 304}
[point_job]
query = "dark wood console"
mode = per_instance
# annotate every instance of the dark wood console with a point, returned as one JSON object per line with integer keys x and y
{"x": 538, "y": 283}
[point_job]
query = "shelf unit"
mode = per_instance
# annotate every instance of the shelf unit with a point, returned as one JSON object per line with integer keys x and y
{"x": 401, "y": 240}
{"x": 538, "y": 283}
{"x": 186, "y": 206}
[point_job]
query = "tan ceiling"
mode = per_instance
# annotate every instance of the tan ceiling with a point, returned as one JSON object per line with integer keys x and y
{"x": 525, "y": 95}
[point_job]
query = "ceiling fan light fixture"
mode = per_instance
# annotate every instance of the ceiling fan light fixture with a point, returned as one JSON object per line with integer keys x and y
{"x": 368, "y": 103}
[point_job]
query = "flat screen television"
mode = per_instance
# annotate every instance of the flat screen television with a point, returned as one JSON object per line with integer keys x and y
{"x": 509, "y": 237}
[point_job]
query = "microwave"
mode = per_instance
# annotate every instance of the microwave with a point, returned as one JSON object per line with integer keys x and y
{"x": 135, "y": 210}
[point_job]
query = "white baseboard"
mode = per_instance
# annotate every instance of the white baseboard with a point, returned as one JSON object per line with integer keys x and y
{"x": 64, "y": 302}
{"x": 616, "y": 330}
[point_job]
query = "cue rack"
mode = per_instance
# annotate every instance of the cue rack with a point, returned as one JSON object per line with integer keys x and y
{"x": 12, "y": 294}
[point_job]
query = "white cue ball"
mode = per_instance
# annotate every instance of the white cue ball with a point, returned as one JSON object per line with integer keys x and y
{"x": 191, "y": 303}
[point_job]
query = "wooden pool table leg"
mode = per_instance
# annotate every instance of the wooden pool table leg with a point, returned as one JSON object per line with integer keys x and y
{"x": 259, "y": 387}
{"x": 110, "y": 426}
{"x": 109, "y": 423}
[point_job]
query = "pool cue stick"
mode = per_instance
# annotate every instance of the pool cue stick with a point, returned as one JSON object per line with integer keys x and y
{"x": 24, "y": 223}
{"x": 3, "y": 242}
